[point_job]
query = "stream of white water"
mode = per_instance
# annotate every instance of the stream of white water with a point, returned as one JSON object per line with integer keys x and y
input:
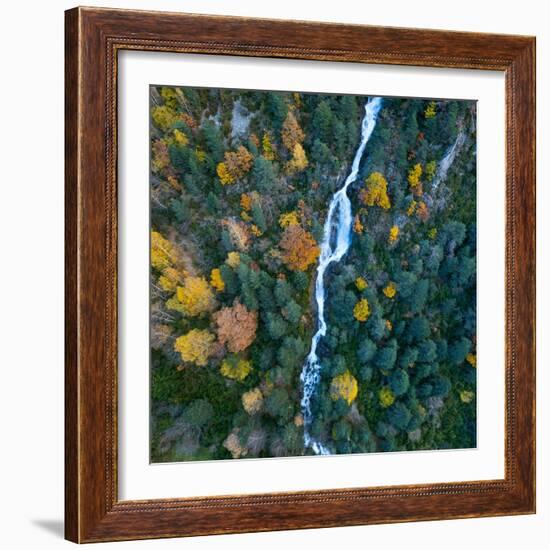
{"x": 335, "y": 244}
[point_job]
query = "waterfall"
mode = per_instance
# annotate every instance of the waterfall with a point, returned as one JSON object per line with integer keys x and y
{"x": 335, "y": 243}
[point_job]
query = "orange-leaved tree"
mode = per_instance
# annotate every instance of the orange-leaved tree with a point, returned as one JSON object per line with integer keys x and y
{"x": 357, "y": 225}
{"x": 423, "y": 212}
{"x": 236, "y": 165}
{"x": 236, "y": 326}
{"x": 299, "y": 249}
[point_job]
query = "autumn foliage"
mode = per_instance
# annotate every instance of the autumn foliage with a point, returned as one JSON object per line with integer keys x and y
{"x": 252, "y": 401}
{"x": 344, "y": 386}
{"x": 415, "y": 173}
{"x": 361, "y": 311}
{"x": 422, "y": 211}
{"x": 195, "y": 346}
{"x": 233, "y": 259}
{"x": 163, "y": 253}
{"x": 386, "y": 396}
{"x": 299, "y": 249}
{"x": 236, "y": 326}
{"x": 357, "y": 225}
{"x": 375, "y": 192}
{"x": 291, "y": 132}
{"x": 288, "y": 218}
{"x": 431, "y": 110}
{"x": 361, "y": 284}
{"x": 226, "y": 177}
{"x": 267, "y": 147}
{"x": 239, "y": 233}
{"x": 235, "y": 368}
{"x": 394, "y": 234}
{"x": 298, "y": 162}
{"x": 240, "y": 186}
{"x": 236, "y": 165}
{"x": 390, "y": 290}
{"x": 216, "y": 280}
{"x": 196, "y": 297}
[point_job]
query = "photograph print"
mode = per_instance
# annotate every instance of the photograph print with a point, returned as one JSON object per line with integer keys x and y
{"x": 312, "y": 274}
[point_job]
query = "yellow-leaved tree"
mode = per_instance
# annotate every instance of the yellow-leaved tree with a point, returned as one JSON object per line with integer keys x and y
{"x": 361, "y": 284}
{"x": 170, "y": 279}
{"x": 386, "y": 396}
{"x": 288, "y": 218}
{"x": 195, "y": 346}
{"x": 164, "y": 116}
{"x": 298, "y": 162}
{"x": 344, "y": 386}
{"x": 225, "y": 176}
{"x": 195, "y": 296}
{"x": 163, "y": 253}
{"x": 180, "y": 138}
{"x": 252, "y": 401}
{"x": 361, "y": 311}
{"x": 167, "y": 258}
{"x": 375, "y": 192}
{"x": 394, "y": 234}
{"x": 467, "y": 396}
{"x": 390, "y": 290}
{"x": 291, "y": 133}
{"x": 233, "y": 259}
{"x": 235, "y": 368}
{"x": 431, "y": 109}
{"x": 267, "y": 147}
{"x": 415, "y": 173}
{"x": 216, "y": 280}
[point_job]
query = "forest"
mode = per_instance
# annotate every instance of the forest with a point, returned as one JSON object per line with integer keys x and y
{"x": 240, "y": 186}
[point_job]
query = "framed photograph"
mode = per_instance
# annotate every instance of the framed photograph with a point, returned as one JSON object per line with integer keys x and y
{"x": 300, "y": 275}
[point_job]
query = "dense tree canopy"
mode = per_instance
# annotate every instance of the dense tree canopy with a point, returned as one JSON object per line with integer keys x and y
{"x": 240, "y": 186}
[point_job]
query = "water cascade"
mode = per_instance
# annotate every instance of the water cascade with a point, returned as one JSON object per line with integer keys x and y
{"x": 336, "y": 242}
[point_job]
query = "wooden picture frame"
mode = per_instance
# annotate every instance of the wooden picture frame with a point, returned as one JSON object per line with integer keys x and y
{"x": 93, "y": 511}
